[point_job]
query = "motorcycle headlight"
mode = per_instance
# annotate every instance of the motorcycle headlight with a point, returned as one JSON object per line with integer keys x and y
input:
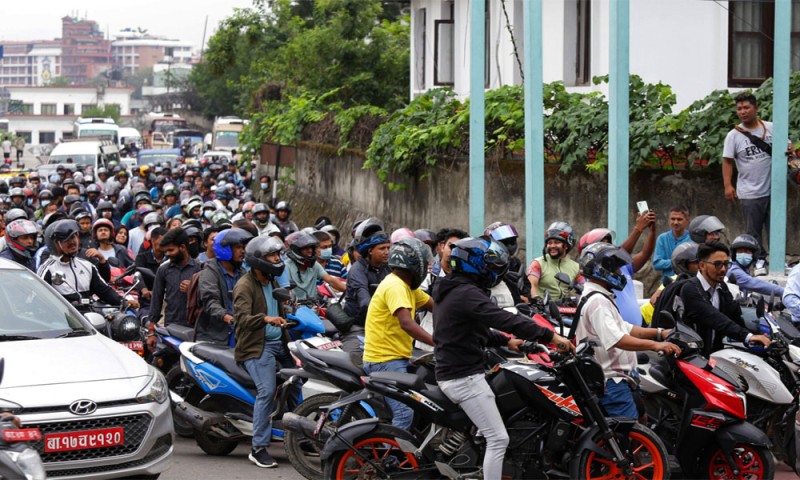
{"x": 156, "y": 389}
{"x": 28, "y": 461}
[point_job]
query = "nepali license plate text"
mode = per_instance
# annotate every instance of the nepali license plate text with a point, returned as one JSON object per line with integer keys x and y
{"x": 84, "y": 440}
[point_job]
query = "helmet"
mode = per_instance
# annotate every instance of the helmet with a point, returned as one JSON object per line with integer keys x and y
{"x": 153, "y": 220}
{"x": 682, "y": 256}
{"x": 93, "y": 188}
{"x": 80, "y": 214}
{"x": 333, "y": 232}
{"x": 16, "y": 214}
{"x": 19, "y": 228}
{"x": 169, "y": 189}
{"x": 16, "y": 192}
{"x": 507, "y": 235}
{"x": 413, "y": 255}
{"x": 192, "y": 204}
{"x": 482, "y": 257}
{"x": 322, "y": 221}
{"x": 248, "y": 206}
{"x": 402, "y": 233}
{"x": 102, "y": 222}
{"x": 223, "y": 193}
{"x": 368, "y": 234}
{"x": 702, "y": 225}
{"x": 70, "y": 199}
{"x": 221, "y": 219}
{"x": 561, "y": 231}
{"x": 45, "y": 195}
{"x": 745, "y": 241}
{"x": 428, "y": 237}
{"x": 192, "y": 222}
{"x": 600, "y": 261}
{"x": 260, "y": 247}
{"x": 142, "y": 196}
{"x": 283, "y": 206}
{"x": 228, "y": 238}
{"x": 60, "y": 231}
{"x": 102, "y": 205}
{"x": 594, "y": 236}
{"x": 296, "y": 242}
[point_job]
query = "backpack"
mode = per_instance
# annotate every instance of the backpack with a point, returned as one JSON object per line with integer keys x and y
{"x": 670, "y": 301}
{"x": 193, "y": 306}
{"x": 578, "y": 311}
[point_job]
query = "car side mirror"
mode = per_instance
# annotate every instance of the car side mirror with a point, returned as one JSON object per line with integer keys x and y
{"x": 97, "y": 320}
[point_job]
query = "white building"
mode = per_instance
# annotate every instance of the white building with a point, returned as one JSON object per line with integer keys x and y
{"x": 32, "y": 63}
{"x": 48, "y": 113}
{"x": 695, "y": 46}
{"x": 135, "y": 50}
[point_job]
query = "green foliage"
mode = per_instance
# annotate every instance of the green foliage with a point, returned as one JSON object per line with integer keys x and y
{"x": 109, "y": 110}
{"x": 349, "y": 117}
{"x": 58, "y": 82}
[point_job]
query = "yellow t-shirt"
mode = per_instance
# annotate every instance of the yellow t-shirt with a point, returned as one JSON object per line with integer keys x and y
{"x": 384, "y": 338}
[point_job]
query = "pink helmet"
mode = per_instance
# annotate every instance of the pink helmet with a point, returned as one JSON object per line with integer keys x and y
{"x": 594, "y": 236}
{"x": 402, "y": 233}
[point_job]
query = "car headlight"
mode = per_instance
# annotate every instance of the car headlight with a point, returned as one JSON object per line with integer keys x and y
{"x": 28, "y": 461}
{"x": 156, "y": 389}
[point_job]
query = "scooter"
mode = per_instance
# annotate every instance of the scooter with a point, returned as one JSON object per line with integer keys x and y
{"x": 219, "y": 400}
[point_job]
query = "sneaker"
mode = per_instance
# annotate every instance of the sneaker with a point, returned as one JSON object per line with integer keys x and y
{"x": 262, "y": 458}
{"x": 761, "y": 268}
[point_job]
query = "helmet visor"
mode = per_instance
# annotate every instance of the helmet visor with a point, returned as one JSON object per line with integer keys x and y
{"x": 504, "y": 232}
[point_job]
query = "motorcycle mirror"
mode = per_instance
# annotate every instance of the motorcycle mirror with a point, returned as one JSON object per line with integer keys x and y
{"x": 114, "y": 262}
{"x": 58, "y": 278}
{"x": 665, "y": 319}
{"x": 732, "y": 280}
{"x": 282, "y": 294}
{"x": 97, "y": 320}
{"x": 563, "y": 278}
{"x": 137, "y": 281}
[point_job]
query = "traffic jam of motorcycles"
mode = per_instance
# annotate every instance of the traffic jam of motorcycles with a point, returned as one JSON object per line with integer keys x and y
{"x": 148, "y": 302}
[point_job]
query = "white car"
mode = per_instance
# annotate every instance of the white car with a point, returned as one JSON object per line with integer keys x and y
{"x": 103, "y": 412}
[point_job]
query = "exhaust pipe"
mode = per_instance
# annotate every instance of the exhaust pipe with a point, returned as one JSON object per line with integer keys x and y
{"x": 305, "y": 426}
{"x": 200, "y": 420}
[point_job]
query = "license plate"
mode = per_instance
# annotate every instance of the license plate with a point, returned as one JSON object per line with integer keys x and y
{"x": 84, "y": 440}
{"x": 135, "y": 346}
{"x": 567, "y": 310}
{"x": 329, "y": 345}
{"x": 22, "y": 435}
{"x": 320, "y": 423}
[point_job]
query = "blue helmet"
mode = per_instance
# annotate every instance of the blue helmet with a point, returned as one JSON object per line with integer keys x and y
{"x": 482, "y": 257}
{"x": 601, "y": 261}
{"x": 226, "y": 239}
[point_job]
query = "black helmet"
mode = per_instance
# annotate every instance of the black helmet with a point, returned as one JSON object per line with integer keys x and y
{"x": 70, "y": 199}
{"x": 16, "y": 214}
{"x": 45, "y": 195}
{"x": 561, "y": 231}
{"x": 682, "y": 256}
{"x": 93, "y": 188}
{"x": 260, "y": 247}
{"x": 745, "y": 241}
{"x": 322, "y": 221}
{"x": 60, "y": 231}
{"x": 600, "y": 261}
{"x": 192, "y": 222}
{"x": 368, "y": 234}
{"x": 80, "y": 214}
{"x": 296, "y": 242}
{"x": 153, "y": 220}
{"x": 413, "y": 255}
{"x": 702, "y": 225}
{"x": 481, "y": 257}
{"x": 507, "y": 235}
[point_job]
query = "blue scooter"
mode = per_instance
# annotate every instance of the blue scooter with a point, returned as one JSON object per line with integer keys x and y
{"x": 218, "y": 403}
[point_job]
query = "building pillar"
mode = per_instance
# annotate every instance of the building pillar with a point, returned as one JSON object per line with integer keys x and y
{"x": 477, "y": 124}
{"x": 618, "y": 117}
{"x": 780, "y": 134}
{"x": 534, "y": 129}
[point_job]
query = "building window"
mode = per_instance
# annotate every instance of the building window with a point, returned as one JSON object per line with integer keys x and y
{"x": 69, "y": 109}
{"x": 420, "y": 27}
{"x": 25, "y": 135}
{"x": 443, "y": 54}
{"x": 751, "y": 29}
{"x": 49, "y": 109}
{"x": 577, "y": 42}
{"x": 47, "y": 137}
{"x": 27, "y": 109}
{"x": 85, "y": 107}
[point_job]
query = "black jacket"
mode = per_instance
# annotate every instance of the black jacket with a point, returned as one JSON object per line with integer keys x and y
{"x": 462, "y": 320}
{"x": 217, "y": 302}
{"x": 362, "y": 281}
{"x": 712, "y": 324}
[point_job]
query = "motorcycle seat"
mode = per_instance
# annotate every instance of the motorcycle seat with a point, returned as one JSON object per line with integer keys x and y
{"x": 222, "y": 357}
{"x": 183, "y": 332}
{"x": 437, "y": 395}
{"x": 330, "y": 329}
{"x": 659, "y": 373}
{"x": 337, "y": 359}
{"x": 406, "y": 380}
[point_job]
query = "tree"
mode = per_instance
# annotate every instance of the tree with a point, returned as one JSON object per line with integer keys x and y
{"x": 58, "y": 82}
{"x": 109, "y": 110}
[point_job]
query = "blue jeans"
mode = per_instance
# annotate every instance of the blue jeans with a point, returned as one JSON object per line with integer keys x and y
{"x": 264, "y": 372}
{"x": 618, "y": 400}
{"x": 402, "y": 415}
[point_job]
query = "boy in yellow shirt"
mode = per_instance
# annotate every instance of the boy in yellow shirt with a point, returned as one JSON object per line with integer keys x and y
{"x": 390, "y": 326}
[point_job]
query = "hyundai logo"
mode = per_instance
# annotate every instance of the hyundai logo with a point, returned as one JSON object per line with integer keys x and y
{"x": 83, "y": 407}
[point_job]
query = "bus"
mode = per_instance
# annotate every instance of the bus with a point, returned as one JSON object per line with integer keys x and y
{"x": 96, "y": 128}
{"x": 226, "y": 133}
{"x": 165, "y": 122}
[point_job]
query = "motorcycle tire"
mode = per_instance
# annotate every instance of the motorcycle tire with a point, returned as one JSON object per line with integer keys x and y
{"x": 379, "y": 444}
{"x": 213, "y": 445}
{"x": 644, "y": 442}
{"x": 175, "y": 382}
{"x": 753, "y": 461}
{"x": 303, "y": 453}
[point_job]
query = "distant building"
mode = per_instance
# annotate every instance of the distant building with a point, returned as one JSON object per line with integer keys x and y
{"x": 85, "y": 53}
{"x": 135, "y": 50}
{"x": 32, "y": 63}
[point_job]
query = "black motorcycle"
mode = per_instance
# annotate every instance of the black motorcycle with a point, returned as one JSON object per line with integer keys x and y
{"x": 556, "y": 426}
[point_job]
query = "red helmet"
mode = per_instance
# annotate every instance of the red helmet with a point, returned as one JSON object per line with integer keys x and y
{"x": 19, "y": 228}
{"x": 594, "y": 236}
{"x": 103, "y": 222}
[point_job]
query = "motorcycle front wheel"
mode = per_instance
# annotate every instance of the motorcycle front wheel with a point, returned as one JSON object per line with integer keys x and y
{"x": 754, "y": 462}
{"x": 647, "y": 451}
{"x": 377, "y": 450}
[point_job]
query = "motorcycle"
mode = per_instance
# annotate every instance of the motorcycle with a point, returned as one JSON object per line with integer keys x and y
{"x": 18, "y": 459}
{"x": 699, "y": 413}
{"x": 220, "y": 394}
{"x": 553, "y": 418}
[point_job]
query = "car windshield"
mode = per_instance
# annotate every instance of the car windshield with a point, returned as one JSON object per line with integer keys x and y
{"x": 151, "y": 158}
{"x": 227, "y": 139}
{"x": 81, "y": 159}
{"x": 31, "y": 310}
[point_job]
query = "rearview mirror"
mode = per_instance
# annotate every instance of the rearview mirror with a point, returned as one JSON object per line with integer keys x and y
{"x": 282, "y": 295}
{"x": 114, "y": 262}
{"x": 563, "y": 278}
{"x": 97, "y": 320}
{"x": 58, "y": 278}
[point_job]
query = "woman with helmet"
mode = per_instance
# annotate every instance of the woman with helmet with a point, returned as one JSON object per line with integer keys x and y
{"x": 81, "y": 277}
{"x": 303, "y": 268}
{"x": 390, "y": 325}
{"x": 559, "y": 238}
{"x": 598, "y": 320}
{"x": 463, "y": 321}
{"x": 103, "y": 234}
{"x": 215, "y": 286}
{"x": 21, "y": 238}
{"x": 744, "y": 253}
{"x": 261, "y": 340}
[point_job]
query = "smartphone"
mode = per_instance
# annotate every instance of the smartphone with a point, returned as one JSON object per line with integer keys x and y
{"x": 642, "y": 206}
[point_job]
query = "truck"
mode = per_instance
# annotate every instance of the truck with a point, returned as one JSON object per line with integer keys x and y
{"x": 225, "y": 135}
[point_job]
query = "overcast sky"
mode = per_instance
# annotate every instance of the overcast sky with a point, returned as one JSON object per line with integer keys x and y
{"x": 179, "y": 19}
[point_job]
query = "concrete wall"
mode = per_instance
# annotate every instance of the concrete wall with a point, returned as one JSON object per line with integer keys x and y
{"x": 338, "y": 187}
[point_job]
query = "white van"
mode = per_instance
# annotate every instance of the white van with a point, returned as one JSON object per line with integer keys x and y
{"x": 89, "y": 153}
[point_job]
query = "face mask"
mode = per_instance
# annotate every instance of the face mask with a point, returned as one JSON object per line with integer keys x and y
{"x": 208, "y": 214}
{"x": 326, "y": 253}
{"x": 45, "y": 203}
{"x": 29, "y": 201}
{"x": 264, "y": 186}
{"x": 744, "y": 259}
{"x": 83, "y": 198}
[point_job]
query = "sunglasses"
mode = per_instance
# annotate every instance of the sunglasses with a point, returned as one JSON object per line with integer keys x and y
{"x": 719, "y": 264}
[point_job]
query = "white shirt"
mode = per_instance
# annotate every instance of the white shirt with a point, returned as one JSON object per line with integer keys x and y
{"x": 714, "y": 295}
{"x": 6, "y": 146}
